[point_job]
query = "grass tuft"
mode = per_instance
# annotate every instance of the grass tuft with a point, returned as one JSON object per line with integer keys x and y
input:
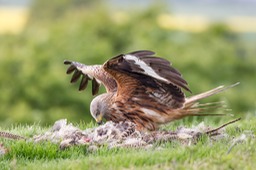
{"x": 172, "y": 155}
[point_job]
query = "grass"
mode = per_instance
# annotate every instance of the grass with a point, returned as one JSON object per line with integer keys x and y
{"x": 205, "y": 154}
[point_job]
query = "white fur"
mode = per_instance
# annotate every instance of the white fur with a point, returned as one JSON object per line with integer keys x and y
{"x": 147, "y": 69}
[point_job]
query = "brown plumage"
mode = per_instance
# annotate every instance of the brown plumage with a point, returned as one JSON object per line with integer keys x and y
{"x": 141, "y": 88}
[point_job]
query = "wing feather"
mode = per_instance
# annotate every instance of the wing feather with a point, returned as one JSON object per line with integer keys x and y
{"x": 75, "y": 76}
{"x": 95, "y": 86}
{"x": 95, "y": 73}
{"x": 140, "y": 75}
{"x": 142, "y": 53}
{"x": 84, "y": 82}
{"x": 156, "y": 67}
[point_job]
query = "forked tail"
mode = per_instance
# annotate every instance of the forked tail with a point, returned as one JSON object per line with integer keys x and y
{"x": 193, "y": 108}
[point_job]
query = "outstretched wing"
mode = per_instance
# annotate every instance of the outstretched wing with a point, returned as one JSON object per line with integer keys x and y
{"x": 143, "y": 76}
{"x": 95, "y": 73}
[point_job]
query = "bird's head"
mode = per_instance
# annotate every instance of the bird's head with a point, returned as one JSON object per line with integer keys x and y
{"x": 99, "y": 107}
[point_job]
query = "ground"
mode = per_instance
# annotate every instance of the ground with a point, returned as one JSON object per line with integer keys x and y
{"x": 173, "y": 155}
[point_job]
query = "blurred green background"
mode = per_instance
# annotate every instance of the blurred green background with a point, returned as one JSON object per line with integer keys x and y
{"x": 33, "y": 82}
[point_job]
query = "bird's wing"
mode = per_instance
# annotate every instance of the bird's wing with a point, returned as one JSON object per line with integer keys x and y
{"x": 93, "y": 72}
{"x": 141, "y": 75}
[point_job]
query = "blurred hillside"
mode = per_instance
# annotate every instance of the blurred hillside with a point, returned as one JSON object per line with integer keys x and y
{"x": 35, "y": 87}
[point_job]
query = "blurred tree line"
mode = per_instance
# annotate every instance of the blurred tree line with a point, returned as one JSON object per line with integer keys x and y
{"x": 35, "y": 88}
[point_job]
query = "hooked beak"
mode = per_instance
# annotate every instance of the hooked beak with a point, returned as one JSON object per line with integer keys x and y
{"x": 99, "y": 120}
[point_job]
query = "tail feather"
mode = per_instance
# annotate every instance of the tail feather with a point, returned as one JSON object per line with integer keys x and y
{"x": 208, "y": 105}
{"x": 193, "y": 108}
{"x": 193, "y": 99}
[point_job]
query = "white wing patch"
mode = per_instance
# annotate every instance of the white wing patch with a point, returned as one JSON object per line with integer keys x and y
{"x": 147, "y": 69}
{"x": 98, "y": 81}
{"x": 152, "y": 113}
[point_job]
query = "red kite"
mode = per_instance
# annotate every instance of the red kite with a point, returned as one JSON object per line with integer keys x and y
{"x": 141, "y": 88}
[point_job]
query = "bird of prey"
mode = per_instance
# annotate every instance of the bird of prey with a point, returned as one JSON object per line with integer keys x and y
{"x": 140, "y": 88}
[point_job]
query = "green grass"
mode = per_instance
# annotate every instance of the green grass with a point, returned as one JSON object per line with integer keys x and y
{"x": 205, "y": 154}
